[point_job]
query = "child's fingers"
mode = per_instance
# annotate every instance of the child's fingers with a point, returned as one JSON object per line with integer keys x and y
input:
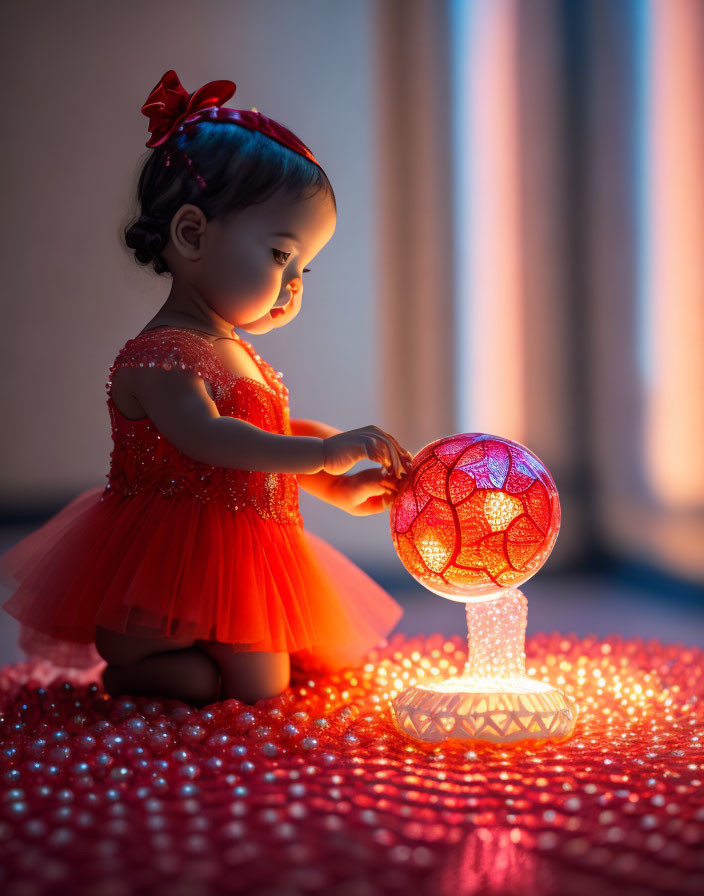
{"x": 381, "y": 451}
{"x": 373, "y": 489}
{"x": 375, "y": 504}
{"x": 391, "y": 481}
{"x": 375, "y": 486}
{"x": 390, "y": 452}
{"x": 406, "y": 456}
{"x": 371, "y": 474}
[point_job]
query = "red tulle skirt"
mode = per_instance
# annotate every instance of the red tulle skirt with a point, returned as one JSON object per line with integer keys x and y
{"x": 183, "y": 569}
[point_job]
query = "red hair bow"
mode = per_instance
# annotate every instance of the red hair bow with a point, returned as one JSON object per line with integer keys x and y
{"x": 169, "y": 104}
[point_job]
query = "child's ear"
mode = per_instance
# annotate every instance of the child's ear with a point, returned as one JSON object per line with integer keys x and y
{"x": 186, "y": 231}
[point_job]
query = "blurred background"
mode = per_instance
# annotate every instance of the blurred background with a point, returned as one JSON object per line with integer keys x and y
{"x": 519, "y": 251}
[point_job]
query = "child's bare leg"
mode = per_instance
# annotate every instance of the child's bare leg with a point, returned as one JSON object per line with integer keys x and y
{"x": 249, "y": 675}
{"x": 154, "y": 667}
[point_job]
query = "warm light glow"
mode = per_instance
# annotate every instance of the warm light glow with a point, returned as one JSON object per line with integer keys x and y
{"x": 493, "y": 699}
{"x": 468, "y": 684}
{"x": 434, "y": 553}
{"x": 615, "y": 691}
{"x": 674, "y": 285}
{"x": 501, "y": 509}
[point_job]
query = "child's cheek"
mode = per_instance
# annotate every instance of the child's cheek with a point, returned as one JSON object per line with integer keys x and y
{"x": 252, "y": 296}
{"x": 238, "y": 281}
{"x": 225, "y": 275}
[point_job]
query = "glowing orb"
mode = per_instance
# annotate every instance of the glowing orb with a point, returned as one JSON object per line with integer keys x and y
{"x": 476, "y": 514}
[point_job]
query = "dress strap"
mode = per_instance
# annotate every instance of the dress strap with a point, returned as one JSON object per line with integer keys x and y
{"x": 265, "y": 369}
{"x": 170, "y": 348}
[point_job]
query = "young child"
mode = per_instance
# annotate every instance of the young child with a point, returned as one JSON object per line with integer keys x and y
{"x": 191, "y": 573}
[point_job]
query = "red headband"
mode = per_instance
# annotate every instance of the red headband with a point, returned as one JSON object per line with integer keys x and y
{"x": 170, "y": 108}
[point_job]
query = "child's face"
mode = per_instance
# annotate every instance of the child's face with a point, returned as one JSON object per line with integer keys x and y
{"x": 252, "y": 277}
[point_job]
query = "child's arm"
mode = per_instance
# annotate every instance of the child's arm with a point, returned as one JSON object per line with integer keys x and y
{"x": 182, "y": 410}
{"x": 303, "y": 427}
{"x": 178, "y": 404}
{"x": 317, "y": 484}
{"x": 369, "y": 491}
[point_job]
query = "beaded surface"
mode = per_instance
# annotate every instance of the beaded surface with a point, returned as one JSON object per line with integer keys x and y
{"x": 316, "y": 792}
{"x": 143, "y": 459}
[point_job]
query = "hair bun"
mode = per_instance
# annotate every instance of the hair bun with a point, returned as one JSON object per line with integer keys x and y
{"x": 148, "y": 236}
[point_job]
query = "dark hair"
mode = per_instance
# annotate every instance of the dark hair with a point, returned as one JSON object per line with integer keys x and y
{"x": 241, "y": 167}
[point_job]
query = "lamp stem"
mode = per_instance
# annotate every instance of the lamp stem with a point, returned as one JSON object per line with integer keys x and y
{"x": 496, "y": 636}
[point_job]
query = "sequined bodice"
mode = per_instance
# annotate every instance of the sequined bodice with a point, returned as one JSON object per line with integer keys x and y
{"x": 144, "y": 459}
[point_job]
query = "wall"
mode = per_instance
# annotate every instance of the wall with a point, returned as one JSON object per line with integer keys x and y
{"x": 72, "y": 295}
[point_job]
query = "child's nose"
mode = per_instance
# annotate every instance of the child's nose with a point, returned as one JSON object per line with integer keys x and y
{"x": 292, "y": 288}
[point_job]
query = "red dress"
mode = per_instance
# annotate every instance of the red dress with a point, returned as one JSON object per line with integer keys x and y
{"x": 175, "y": 548}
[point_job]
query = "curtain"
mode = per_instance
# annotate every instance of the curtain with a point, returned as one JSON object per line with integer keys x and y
{"x": 570, "y": 213}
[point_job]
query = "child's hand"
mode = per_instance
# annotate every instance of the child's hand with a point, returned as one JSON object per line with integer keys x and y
{"x": 363, "y": 493}
{"x": 344, "y": 449}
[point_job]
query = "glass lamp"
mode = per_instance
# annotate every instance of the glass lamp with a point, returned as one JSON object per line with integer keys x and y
{"x": 476, "y": 516}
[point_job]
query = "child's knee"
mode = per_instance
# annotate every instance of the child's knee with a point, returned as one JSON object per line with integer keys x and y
{"x": 189, "y": 675}
{"x": 250, "y": 675}
{"x": 118, "y": 648}
{"x": 112, "y": 681}
{"x": 255, "y": 676}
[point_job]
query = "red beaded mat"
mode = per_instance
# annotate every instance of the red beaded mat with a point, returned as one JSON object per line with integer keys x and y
{"x": 316, "y": 793}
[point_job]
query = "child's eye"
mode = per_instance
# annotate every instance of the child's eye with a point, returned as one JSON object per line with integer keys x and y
{"x": 278, "y": 254}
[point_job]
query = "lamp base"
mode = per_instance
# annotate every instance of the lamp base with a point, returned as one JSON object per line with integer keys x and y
{"x": 488, "y": 709}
